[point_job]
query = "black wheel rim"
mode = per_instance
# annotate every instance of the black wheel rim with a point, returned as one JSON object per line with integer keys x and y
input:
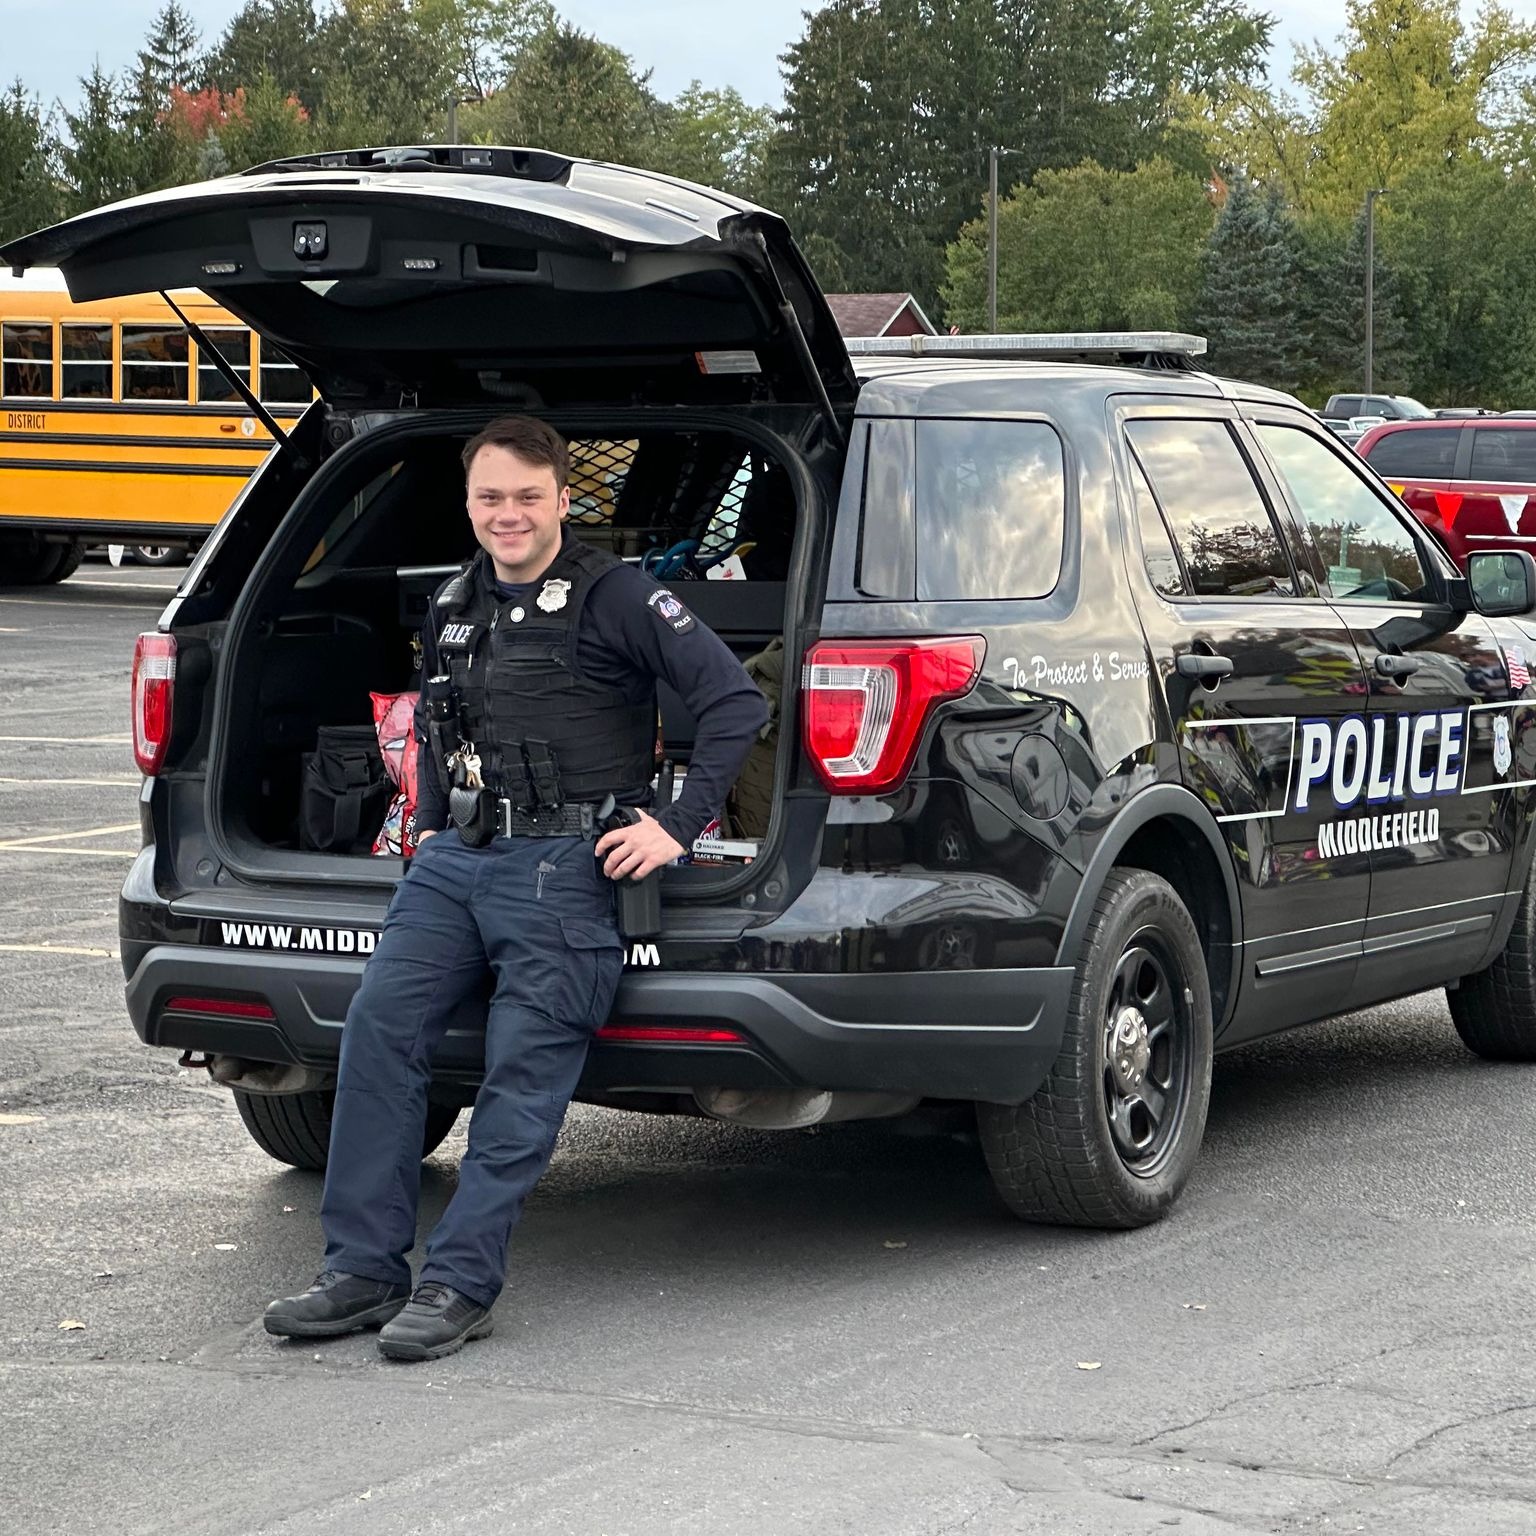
{"x": 1147, "y": 1056}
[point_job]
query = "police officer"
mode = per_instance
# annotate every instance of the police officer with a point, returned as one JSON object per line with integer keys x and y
{"x": 553, "y": 649}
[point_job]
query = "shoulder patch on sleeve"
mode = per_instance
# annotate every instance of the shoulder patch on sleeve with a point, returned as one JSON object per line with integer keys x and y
{"x": 671, "y": 612}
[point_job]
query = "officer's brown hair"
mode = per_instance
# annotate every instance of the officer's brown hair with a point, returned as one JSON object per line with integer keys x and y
{"x": 530, "y": 439}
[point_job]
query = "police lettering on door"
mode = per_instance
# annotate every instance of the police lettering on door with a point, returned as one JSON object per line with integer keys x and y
{"x": 1396, "y": 760}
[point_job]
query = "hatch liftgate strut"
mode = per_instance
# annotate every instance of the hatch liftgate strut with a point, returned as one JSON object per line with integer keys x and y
{"x": 219, "y": 361}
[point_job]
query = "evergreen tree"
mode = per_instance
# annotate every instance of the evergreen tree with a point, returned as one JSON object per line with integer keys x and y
{"x": 1248, "y": 306}
{"x": 575, "y": 95}
{"x": 30, "y": 193}
{"x": 1332, "y": 293}
{"x": 99, "y": 159}
{"x": 388, "y": 72}
{"x": 266, "y": 124}
{"x": 892, "y": 106}
{"x": 168, "y": 60}
{"x": 280, "y": 38}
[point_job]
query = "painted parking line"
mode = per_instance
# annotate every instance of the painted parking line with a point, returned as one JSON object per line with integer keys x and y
{"x": 82, "y": 853}
{"x": 64, "y": 837}
{"x": 59, "y": 949}
{"x": 43, "y": 602}
{"x": 71, "y": 741}
{"x": 78, "y": 783}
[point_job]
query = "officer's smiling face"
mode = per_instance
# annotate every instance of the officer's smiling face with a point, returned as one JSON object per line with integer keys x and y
{"x": 517, "y": 510}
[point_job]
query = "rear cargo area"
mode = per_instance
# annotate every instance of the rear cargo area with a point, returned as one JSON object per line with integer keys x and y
{"x": 324, "y": 661}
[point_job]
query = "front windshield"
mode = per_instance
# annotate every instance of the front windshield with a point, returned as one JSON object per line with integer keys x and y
{"x": 1411, "y": 409}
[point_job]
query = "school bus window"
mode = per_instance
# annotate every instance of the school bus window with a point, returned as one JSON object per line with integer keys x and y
{"x": 154, "y": 362}
{"x": 235, "y": 348}
{"x": 86, "y": 357}
{"x": 26, "y": 361}
{"x": 283, "y": 382}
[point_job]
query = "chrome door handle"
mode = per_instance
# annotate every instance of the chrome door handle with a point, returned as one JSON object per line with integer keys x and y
{"x": 1206, "y": 668}
{"x": 1397, "y": 666}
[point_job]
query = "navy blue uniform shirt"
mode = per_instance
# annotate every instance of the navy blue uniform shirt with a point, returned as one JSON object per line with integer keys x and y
{"x": 626, "y": 642}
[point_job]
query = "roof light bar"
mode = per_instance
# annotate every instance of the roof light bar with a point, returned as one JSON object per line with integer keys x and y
{"x": 1042, "y": 344}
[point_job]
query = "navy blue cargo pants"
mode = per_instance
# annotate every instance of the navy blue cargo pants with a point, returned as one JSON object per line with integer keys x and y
{"x": 538, "y": 913}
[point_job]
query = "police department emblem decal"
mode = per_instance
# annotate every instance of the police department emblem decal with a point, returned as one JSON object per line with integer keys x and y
{"x": 552, "y": 595}
{"x": 1502, "y": 755}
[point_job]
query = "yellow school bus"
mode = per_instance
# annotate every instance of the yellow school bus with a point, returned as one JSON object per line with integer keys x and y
{"x": 113, "y": 430}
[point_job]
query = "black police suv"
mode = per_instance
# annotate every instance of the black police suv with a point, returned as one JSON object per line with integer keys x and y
{"x": 1124, "y": 713}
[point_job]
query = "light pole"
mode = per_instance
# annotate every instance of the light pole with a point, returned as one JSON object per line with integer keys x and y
{"x": 994, "y": 155}
{"x": 1371, "y": 195}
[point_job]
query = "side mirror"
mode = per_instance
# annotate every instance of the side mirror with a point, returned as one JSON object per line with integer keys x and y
{"x": 1502, "y": 582}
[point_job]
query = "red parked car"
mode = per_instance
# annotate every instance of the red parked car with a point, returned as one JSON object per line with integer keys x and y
{"x": 1472, "y": 483}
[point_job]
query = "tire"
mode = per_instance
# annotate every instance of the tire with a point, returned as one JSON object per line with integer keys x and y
{"x": 1061, "y": 1157}
{"x": 295, "y": 1128}
{"x": 1494, "y": 1011}
{"x": 158, "y": 554}
{"x": 34, "y": 562}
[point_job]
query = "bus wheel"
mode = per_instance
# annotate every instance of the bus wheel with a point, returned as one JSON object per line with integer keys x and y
{"x": 158, "y": 554}
{"x": 33, "y": 562}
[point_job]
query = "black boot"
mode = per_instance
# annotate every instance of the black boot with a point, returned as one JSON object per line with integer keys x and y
{"x": 436, "y": 1321}
{"x": 335, "y": 1304}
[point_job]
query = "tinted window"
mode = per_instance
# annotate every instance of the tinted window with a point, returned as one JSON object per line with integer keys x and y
{"x": 1214, "y": 508}
{"x": 1426, "y": 453}
{"x": 1157, "y": 549}
{"x": 1504, "y": 453}
{"x": 87, "y": 361}
{"x": 1346, "y": 405}
{"x": 154, "y": 362}
{"x": 885, "y": 530}
{"x": 1366, "y": 550}
{"x": 991, "y": 509}
{"x": 27, "y": 353}
{"x": 235, "y": 348}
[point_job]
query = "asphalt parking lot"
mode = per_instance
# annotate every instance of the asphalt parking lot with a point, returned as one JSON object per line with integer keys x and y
{"x": 708, "y": 1330}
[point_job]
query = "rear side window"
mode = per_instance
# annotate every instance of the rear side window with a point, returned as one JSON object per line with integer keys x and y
{"x": 27, "y": 353}
{"x": 1214, "y": 508}
{"x": 991, "y": 509}
{"x": 1504, "y": 453}
{"x": 1346, "y": 405}
{"x": 1162, "y": 559}
{"x": 1427, "y": 453}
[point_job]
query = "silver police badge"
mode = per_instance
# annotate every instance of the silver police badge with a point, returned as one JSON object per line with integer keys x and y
{"x": 553, "y": 594}
{"x": 1503, "y": 756}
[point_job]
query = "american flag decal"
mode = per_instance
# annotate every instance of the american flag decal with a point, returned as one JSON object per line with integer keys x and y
{"x": 1519, "y": 673}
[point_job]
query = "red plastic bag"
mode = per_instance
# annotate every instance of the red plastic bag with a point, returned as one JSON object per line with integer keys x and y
{"x": 393, "y": 714}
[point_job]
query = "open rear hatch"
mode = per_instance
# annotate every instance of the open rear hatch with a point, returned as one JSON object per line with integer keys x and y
{"x": 452, "y": 276}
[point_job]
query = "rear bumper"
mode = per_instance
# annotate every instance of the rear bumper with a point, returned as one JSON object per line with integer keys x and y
{"x": 960, "y": 1034}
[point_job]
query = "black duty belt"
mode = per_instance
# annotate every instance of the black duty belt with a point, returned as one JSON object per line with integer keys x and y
{"x": 547, "y": 821}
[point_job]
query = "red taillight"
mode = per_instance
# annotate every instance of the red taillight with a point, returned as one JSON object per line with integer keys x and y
{"x": 154, "y": 682}
{"x": 653, "y": 1034}
{"x": 229, "y": 1007}
{"x": 867, "y": 701}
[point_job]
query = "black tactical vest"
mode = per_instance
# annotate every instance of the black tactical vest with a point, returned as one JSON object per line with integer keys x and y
{"x": 545, "y": 732}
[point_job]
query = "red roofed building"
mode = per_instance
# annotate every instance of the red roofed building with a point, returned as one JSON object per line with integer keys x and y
{"x": 879, "y": 314}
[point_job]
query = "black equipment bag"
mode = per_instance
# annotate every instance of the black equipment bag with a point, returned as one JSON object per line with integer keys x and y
{"x": 345, "y": 791}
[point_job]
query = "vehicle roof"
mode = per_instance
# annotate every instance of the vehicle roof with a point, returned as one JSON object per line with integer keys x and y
{"x": 896, "y": 386}
{"x": 1451, "y": 423}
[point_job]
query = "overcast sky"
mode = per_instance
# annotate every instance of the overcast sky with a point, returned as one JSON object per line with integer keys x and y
{"x": 51, "y": 43}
